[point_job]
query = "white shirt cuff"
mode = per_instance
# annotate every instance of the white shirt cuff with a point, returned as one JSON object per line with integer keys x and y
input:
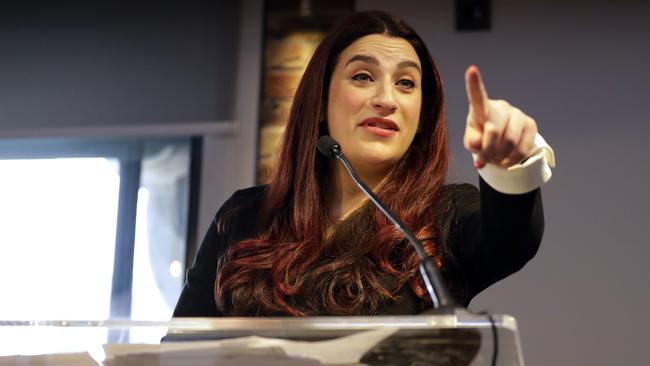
{"x": 524, "y": 177}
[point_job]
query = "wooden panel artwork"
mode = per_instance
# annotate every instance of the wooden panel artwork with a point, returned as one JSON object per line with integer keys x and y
{"x": 292, "y": 32}
{"x": 285, "y": 61}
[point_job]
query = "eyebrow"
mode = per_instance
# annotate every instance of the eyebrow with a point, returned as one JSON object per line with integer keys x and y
{"x": 373, "y": 61}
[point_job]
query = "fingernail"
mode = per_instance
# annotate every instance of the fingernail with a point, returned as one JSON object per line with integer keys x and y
{"x": 477, "y": 165}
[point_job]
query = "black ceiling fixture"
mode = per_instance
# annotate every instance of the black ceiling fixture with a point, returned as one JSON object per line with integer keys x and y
{"x": 473, "y": 15}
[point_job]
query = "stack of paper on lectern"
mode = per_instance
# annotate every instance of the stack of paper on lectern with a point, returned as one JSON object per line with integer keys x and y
{"x": 248, "y": 351}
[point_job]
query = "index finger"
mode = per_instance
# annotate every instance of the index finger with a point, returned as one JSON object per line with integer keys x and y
{"x": 476, "y": 94}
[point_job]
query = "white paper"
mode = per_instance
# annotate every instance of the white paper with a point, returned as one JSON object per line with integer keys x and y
{"x": 249, "y": 351}
{"x": 61, "y": 359}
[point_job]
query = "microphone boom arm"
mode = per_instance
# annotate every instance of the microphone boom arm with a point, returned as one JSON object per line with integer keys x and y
{"x": 428, "y": 269}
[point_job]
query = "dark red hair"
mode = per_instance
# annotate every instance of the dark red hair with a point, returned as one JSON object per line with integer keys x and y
{"x": 291, "y": 269}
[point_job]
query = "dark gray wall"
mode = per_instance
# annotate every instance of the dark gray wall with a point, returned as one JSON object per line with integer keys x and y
{"x": 581, "y": 69}
{"x": 230, "y": 160}
{"x": 73, "y": 63}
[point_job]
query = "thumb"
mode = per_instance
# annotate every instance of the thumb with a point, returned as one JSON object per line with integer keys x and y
{"x": 473, "y": 138}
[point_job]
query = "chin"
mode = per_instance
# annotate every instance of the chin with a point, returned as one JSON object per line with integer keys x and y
{"x": 377, "y": 154}
{"x": 377, "y": 159}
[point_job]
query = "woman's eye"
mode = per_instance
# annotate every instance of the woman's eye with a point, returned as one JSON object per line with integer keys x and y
{"x": 363, "y": 77}
{"x": 406, "y": 83}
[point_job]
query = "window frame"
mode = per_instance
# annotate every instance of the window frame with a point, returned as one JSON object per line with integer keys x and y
{"x": 129, "y": 152}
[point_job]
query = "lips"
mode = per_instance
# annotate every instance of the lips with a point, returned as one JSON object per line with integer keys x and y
{"x": 380, "y": 127}
{"x": 381, "y": 123}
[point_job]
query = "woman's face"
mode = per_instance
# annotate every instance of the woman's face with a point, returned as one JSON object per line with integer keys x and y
{"x": 374, "y": 101}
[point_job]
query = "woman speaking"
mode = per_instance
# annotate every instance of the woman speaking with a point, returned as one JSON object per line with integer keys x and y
{"x": 309, "y": 243}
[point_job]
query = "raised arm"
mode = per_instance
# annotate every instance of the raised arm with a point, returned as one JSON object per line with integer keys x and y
{"x": 497, "y": 230}
{"x": 494, "y": 234}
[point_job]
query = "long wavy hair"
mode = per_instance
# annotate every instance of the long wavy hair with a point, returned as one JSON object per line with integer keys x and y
{"x": 292, "y": 268}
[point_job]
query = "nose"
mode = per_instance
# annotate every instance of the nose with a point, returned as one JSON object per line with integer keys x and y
{"x": 384, "y": 99}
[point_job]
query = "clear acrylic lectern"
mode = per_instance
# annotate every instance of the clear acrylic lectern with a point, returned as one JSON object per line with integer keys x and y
{"x": 459, "y": 339}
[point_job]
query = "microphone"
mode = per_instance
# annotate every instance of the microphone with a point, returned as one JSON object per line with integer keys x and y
{"x": 428, "y": 269}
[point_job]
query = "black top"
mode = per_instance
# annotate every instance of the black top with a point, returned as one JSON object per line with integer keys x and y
{"x": 491, "y": 235}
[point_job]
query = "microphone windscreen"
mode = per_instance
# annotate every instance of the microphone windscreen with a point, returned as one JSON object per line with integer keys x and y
{"x": 326, "y": 146}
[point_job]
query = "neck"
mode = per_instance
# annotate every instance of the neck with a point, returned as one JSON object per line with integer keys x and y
{"x": 344, "y": 196}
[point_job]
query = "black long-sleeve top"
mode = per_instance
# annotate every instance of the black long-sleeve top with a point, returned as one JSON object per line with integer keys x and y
{"x": 491, "y": 235}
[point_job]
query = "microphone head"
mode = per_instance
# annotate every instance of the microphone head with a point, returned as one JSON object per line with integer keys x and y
{"x": 328, "y": 146}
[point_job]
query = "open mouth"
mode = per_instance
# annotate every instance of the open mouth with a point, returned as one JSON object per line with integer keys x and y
{"x": 380, "y": 127}
{"x": 384, "y": 124}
